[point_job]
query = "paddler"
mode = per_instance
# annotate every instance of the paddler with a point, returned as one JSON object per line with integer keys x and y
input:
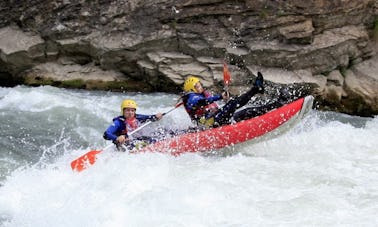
{"x": 128, "y": 122}
{"x": 201, "y": 104}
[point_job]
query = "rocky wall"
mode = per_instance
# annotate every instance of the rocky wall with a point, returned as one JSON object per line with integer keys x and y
{"x": 326, "y": 48}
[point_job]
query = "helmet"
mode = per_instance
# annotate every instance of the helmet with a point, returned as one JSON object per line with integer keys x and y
{"x": 190, "y": 82}
{"x": 128, "y": 103}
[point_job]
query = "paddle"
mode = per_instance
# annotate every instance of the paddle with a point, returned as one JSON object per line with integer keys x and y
{"x": 89, "y": 158}
{"x": 226, "y": 78}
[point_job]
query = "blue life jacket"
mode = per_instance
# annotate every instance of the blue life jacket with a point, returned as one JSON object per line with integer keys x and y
{"x": 199, "y": 105}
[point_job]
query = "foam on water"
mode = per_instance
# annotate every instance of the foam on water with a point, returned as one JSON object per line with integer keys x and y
{"x": 320, "y": 173}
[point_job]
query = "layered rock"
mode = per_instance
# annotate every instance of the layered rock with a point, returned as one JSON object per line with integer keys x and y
{"x": 326, "y": 48}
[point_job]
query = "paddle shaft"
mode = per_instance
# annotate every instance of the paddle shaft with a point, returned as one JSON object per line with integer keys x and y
{"x": 145, "y": 124}
{"x": 177, "y": 105}
{"x": 226, "y": 78}
{"x": 149, "y": 122}
{"x": 129, "y": 134}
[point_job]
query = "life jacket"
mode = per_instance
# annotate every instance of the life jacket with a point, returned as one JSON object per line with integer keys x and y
{"x": 131, "y": 125}
{"x": 137, "y": 140}
{"x": 203, "y": 112}
{"x": 125, "y": 128}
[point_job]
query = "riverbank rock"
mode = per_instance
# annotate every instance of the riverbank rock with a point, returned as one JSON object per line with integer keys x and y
{"x": 324, "y": 48}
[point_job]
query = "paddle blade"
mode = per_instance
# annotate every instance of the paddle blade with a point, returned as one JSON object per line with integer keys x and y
{"x": 226, "y": 75}
{"x": 84, "y": 161}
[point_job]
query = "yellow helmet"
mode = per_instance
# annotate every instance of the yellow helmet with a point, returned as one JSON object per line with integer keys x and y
{"x": 128, "y": 103}
{"x": 190, "y": 82}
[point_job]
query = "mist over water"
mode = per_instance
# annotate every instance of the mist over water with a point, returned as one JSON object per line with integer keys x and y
{"x": 322, "y": 172}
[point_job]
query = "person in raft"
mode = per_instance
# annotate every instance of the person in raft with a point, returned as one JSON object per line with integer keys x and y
{"x": 128, "y": 122}
{"x": 201, "y": 106}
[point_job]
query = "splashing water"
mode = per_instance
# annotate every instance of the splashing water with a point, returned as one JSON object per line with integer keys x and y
{"x": 322, "y": 172}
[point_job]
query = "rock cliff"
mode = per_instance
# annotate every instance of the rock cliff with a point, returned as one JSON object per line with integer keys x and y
{"x": 326, "y": 48}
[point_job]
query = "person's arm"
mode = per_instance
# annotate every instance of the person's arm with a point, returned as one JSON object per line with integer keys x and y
{"x": 143, "y": 117}
{"x": 111, "y": 131}
{"x": 213, "y": 98}
{"x": 198, "y": 100}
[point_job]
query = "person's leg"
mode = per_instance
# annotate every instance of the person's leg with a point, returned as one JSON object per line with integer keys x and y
{"x": 224, "y": 114}
{"x": 255, "y": 111}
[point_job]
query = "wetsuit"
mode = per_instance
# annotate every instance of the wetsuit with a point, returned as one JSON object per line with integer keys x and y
{"x": 197, "y": 106}
{"x": 251, "y": 112}
{"x": 120, "y": 126}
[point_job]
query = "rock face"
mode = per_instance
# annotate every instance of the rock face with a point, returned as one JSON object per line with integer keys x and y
{"x": 327, "y": 48}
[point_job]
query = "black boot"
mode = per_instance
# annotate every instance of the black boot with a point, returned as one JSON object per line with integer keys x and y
{"x": 258, "y": 87}
{"x": 259, "y": 83}
{"x": 225, "y": 113}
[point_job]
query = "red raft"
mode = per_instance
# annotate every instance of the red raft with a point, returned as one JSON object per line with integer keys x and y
{"x": 255, "y": 129}
{"x": 240, "y": 132}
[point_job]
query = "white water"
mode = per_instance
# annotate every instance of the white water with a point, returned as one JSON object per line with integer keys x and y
{"x": 323, "y": 172}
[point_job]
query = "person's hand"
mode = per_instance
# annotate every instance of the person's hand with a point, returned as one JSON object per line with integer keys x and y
{"x": 121, "y": 139}
{"x": 226, "y": 95}
{"x": 158, "y": 116}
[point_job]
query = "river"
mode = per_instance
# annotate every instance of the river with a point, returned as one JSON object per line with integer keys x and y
{"x": 322, "y": 172}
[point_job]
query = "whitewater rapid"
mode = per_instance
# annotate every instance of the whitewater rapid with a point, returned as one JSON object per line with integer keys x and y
{"x": 322, "y": 172}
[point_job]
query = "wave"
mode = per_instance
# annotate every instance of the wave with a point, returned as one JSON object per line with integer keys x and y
{"x": 321, "y": 172}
